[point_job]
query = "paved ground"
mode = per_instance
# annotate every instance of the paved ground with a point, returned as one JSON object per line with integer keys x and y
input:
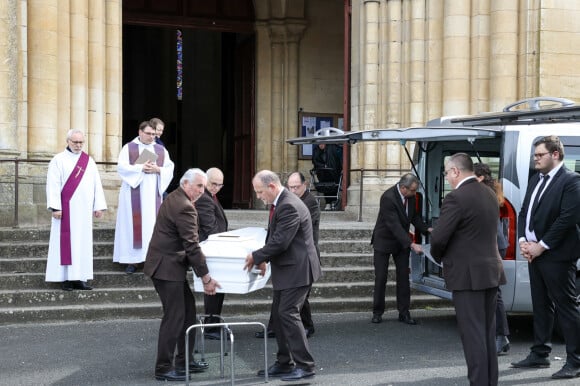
{"x": 349, "y": 350}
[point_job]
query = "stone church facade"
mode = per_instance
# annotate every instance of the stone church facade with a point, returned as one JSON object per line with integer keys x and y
{"x": 406, "y": 61}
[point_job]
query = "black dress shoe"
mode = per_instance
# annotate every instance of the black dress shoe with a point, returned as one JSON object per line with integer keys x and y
{"x": 568, "y": 371}
{"x": 297, "y": 374}
{"x": 406, "y": 318}
{"x": 502, "y": 344}
{"x": 277, "y": 370}
{"x": 377, "y": 319}
{"x": 260, "y": 334}
{"x": 82, "y": 285}
{"x": 67, "y": 285}
{"x": 194, "y": 367}
{"x": 533, "y": 360}
{"x": 172, "y": 375}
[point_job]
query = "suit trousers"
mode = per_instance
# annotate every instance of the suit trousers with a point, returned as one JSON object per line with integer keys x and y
{"x": 213, "y": 306}
{"x": 381, "y": 262}
{"x": 475, "y": 312}
{"x": 290, "y": 335}
{"x": 501, "y": 323}
{"x": 553, "y": 287}
{"x": 305, "y": 315}
{"x": 178, "y": 314}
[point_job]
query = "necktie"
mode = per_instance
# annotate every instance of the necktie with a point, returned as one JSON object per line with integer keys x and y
{"x": 405, "y": 205}
{"x": 215, "y": 198}
{"x": 536, "y": 201}
{"x": 272, "y": 211}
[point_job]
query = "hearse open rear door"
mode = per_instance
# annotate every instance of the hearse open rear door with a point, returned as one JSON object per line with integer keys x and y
{"x": 430, "y": 146}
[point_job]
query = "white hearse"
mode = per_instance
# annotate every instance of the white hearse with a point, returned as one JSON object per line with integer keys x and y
{"x": 502, "y": 140}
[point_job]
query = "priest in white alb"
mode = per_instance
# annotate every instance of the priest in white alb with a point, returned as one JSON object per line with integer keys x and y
{"x": 146, "y": 171}
{"x": 74, "y": 194}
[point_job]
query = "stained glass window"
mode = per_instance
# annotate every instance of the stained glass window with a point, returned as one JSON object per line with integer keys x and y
{"x": 179, "y": 65}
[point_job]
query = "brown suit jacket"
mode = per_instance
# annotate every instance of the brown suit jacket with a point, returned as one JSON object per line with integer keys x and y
{"x": 465, "y": 238}
{"x": 290, "y": 245}
{"x": 174, "y": 245}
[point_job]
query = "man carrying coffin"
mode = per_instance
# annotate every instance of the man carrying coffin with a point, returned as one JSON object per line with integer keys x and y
{"x": 74, "y": 194}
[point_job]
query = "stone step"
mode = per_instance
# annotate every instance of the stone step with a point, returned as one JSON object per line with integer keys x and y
{"x": 38, "y": 264}
{"x": 105, "y": 248}
{"x": 152, "y": 309}
{"x": 36, "y": 280}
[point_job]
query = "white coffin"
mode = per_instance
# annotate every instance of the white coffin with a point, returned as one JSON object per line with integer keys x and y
{"x": 225, "y": 257}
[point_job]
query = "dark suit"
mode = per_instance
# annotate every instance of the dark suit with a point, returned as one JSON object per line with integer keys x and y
{"x": 314, "y": 209}
{"x": 553, "y": 273}
{"x": 212, "y": 219}
{"x": 173, "y": 249}
{"x": 391, "y": 237}
{"x": 465, "y": 240}
{"x": 295, "y": 266}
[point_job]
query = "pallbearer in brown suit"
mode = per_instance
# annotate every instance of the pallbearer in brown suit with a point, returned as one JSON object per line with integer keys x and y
{"x": 465, "y": 240}
{"x": 295, "y": 266}
{"x": 174, "y": 247}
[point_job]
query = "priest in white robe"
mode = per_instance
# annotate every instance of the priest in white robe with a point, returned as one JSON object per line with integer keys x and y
{"x": 74, "y": 194}
{"x": 146, "y": 171}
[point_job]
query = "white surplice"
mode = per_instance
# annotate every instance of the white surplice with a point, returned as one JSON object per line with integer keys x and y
{"x": 149, "y": 185}
{"x": 87, "y": 198}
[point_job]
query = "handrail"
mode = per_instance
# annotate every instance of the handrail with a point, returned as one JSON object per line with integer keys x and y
{"x": 362, "y": 171}
{"x": 17, "y": 162}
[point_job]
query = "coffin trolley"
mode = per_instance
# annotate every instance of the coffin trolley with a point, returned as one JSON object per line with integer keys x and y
{"x": 225, "y": 257}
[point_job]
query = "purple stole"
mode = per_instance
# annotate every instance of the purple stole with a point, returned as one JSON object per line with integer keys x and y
{"x": 66, "y": 194}
{"x": 136, "y": 193}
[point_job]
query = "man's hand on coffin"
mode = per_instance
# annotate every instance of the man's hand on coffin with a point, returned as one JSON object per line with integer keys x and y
{"x": 262, "y": 267}
{"x": 249, "y": 264}
{"x": 210, "y": 285}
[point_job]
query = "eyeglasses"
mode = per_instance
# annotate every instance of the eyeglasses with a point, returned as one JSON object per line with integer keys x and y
{"x": 76, "y": 142}
{"x": 540, "y": 155}
{"x": 213, "y": 184}
{"x": 149, "y": 132}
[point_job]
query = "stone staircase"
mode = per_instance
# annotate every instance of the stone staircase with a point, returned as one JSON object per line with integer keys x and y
{"x": 347, "y": 284}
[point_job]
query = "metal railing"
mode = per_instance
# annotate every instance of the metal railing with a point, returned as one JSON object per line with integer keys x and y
{"x": 361, "y": 172}
{"x": 17, "y": 162}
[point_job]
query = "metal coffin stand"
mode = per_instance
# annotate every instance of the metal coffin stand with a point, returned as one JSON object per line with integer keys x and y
{"x": 225, "y": 327}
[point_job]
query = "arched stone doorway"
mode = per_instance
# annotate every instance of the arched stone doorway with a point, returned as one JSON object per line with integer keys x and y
{"x": 210, "y": 122}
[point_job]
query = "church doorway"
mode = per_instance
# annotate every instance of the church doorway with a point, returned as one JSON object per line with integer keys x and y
{"x": 198, "y": 77}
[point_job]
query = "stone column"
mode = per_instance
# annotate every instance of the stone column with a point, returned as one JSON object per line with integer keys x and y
{"x": 434, "y": 60}
{"x": 294, "y": 31}
{"x": 8, "y": 78}
{"x": 277, "y": 33}
{"x": 64, "y": 77}
{"x": 456, "y": 51}
{"x": 96, "y": 78}
{"x": 370, "y": 69}
{"x": 504, "y": 51}
{"x": 79, "y": 66}
{"x": 264, "y": 80}
{"x": 113, "y": 79}
{"x": 42, "y": 77}
{"x": 480, "y": 58}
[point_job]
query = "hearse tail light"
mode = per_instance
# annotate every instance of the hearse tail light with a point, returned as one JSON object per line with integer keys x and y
{"x": 507, "y": 214}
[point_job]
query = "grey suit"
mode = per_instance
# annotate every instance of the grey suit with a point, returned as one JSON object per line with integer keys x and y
{"x": 295, "y": 266}
{"x": 465, "y": 240}
{"x": 173, "y": 248}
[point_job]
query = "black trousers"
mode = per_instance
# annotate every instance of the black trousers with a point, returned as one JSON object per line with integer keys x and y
{"x": 178, "y": 314}
{"x": 501, "y": 323}
{"x": 290, "y": 335}
{"x": 381, "y": 262}
{"x": 475, "y": 312}
{"x": 213, "y": 306}
{"x": 553, "y": 287}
